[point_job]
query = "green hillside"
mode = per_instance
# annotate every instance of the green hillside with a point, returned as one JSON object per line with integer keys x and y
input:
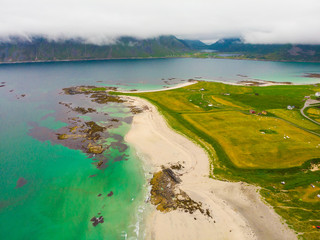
{"x": 41, "y": 49}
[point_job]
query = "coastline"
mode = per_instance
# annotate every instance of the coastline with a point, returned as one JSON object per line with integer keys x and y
{"x": 83, "y": 60}
{"x": 237, "y": 209}
{"x": 166, "y": 57}
{"x": 179, "y": 85}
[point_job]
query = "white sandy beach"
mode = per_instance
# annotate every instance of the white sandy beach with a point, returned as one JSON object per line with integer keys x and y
{"x": 180, "y": 85}
{"x": 237, "y": 209}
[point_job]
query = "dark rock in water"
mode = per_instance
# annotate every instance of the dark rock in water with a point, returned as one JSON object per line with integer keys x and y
{"x": 101, "y": 219}
{"x": 100, "y": 163}
{"x": 2, "y": 85}
{"x": 103, "y": 98}
{"x": 93, "y": 175}
{"x": 312, "y": 75}
{"x": 96, "y": 221}
{"x": 99, "y": 194}
{"x": 21, "y": 182}
{"x": 110, "y": 194}
{"x": 84, "y": 110}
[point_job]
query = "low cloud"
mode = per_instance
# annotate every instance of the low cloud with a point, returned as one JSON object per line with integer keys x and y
{"x": 103, "y": 21}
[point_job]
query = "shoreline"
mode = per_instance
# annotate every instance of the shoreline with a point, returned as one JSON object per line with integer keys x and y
{"x": 167, "y": 57}
{"x": 257, "y": 83}
{"x": 179, "y": 85}
{"x": 83, "y": 60}
{"x": 237, "y": 209}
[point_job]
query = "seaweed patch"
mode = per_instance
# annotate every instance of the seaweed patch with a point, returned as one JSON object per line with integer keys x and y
{"x": 86, "y": 133}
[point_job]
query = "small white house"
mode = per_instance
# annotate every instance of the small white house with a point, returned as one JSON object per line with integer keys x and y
{"x": 290, "y": 107}
{"x": 317, "y": 94}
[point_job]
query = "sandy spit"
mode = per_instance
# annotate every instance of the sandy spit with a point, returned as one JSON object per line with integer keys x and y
{"x": 180, "y": 85}
{"x": 237, "y": 209}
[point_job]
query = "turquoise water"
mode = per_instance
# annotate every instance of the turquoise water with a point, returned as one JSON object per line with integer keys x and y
{"x": 60, "y": 198}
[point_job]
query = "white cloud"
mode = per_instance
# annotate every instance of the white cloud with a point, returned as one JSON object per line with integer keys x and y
{"x": 262, "y": 21}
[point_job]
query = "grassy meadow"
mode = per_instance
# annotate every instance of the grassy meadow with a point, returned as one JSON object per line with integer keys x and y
{"x": 314, "y": 112}
{"x": 251, "y": 136}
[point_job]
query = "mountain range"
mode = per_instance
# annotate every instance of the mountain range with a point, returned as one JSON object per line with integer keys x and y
{"x": 42, "y": 49}
{"x": 279, "y": 52}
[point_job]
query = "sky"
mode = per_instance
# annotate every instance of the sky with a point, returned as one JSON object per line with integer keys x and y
{"x": 103, "y": 21}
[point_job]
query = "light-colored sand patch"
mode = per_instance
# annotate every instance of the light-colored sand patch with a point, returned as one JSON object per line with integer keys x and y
{"x": 237, "y": 209}
{"x": 180, "y": 85}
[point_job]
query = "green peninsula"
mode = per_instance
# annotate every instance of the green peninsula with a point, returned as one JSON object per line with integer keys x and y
{"x": 256, "y": 135}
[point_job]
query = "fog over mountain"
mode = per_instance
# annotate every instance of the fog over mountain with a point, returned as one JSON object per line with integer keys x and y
{"x": 103, "y": 21}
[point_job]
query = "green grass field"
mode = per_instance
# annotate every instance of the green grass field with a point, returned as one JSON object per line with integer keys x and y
{"x": 251, "y": 136}
{"x": 314, "y": 112}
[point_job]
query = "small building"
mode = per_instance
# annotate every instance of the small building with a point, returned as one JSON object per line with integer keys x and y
{"x": 317, "y": 94}
{"x": 264, "y": 112}
{"x": 252, "y": 111}
{"x": 210, "y": 105}
{"x": 306, "y": 97}
{"x": 290, "y": 107}
{"x": 202, "y": 89}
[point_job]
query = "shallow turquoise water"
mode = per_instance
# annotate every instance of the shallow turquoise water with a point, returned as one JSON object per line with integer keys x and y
{"x": 60, "y": 198}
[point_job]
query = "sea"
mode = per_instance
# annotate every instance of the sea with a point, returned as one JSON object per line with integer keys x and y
{"x": 52, "y": 190}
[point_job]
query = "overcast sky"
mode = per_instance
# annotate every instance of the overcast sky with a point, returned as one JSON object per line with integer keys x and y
{"x": 257, "y": 21}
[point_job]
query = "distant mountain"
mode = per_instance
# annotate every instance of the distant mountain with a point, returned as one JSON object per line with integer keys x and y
{"x": 282, "y": 52}
{"x": 41, "y": 49}
{"x": 195, "y": 44}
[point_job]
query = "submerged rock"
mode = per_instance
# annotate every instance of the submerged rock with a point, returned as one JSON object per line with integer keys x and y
{"x": 95, "y": 221}
{"x": 103, "y": 98}
{"x": 84, "y": 110}
{"x": 21, "y": 182}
